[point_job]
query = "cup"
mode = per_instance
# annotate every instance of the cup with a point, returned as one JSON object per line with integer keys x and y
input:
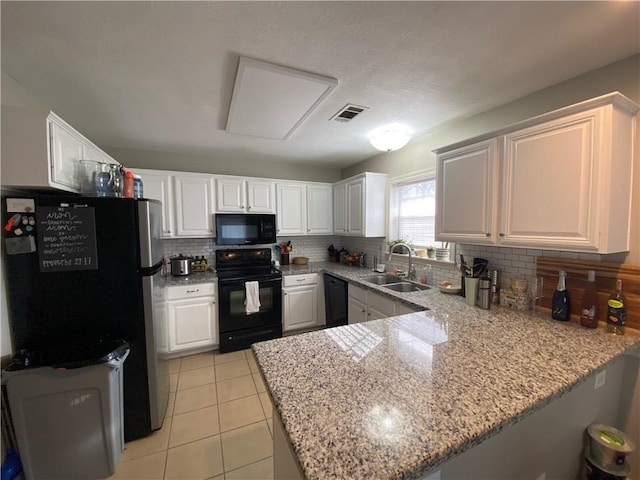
{"x": 471, "y": 290}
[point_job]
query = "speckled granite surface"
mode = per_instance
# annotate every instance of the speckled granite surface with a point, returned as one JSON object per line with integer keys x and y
{"x": 395, "y": 398}
{"x": 204, "y": 277}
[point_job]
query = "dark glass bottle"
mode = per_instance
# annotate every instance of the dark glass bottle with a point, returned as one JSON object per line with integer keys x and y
{"x": 616, "y": 311}
{"x": 560, "y": 305}
{"x": 589, "y": 306}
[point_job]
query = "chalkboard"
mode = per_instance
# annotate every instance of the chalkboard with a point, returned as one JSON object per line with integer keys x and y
{"x": 66, "y": 238}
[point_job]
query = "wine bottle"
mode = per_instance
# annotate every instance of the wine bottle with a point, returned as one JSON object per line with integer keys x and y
{"x": 589, "y": 306}
{"x": 560, "y": 305}
{"x": 616, "y": 311}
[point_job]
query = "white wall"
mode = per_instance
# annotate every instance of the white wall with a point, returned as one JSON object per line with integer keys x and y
{"x": 221, "y": 166}
{"x": 622, "y": 76}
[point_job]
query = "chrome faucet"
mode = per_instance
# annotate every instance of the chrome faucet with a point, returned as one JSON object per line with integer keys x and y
{"x": 402, "y": 244}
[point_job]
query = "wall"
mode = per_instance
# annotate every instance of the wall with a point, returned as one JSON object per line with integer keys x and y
{"x": 220, "y": 166}
{"x": 622, "y": 76}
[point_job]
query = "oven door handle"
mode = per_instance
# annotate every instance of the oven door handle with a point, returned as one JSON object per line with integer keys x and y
{"x": 231, "y": 283}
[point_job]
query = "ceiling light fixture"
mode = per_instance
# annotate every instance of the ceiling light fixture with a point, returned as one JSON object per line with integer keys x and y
{"x": 390, "y": 137}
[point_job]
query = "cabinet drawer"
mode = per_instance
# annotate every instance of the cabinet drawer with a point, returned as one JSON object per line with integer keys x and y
{"x": 295, "y": 280}
{"x": 358, "y": 293}
{"x": 189, "y": 291}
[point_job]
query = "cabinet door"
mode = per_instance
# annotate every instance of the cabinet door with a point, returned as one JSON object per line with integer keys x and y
{"x": 340, "y": 208}
{"x": 466, "y": 202}
{"x": 300, "y": 306}
{"x": 550, "y": 184}
{"x": 67, "y": 149}
{"x": 91, "y": 152}
{"x": 403, "y": 308}
{"x": 292, "y": 208}
{"x": 355, "y": 207}
{"x": 380, "y": 305}
{"x": 230, "y": 195}
{"x": 158, "y": 186}
{"x": 191, "y": 323}
{"x": 261, "y": 197}
{"x": 319, "y": 209}
{"x": 194, "y": 205}
{"x": 357, "y": 311}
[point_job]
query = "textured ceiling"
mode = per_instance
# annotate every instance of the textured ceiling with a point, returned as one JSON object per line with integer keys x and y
{"x": 159, "y": 75}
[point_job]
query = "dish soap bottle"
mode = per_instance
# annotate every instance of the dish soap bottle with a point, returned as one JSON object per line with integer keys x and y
{"x": 560, "y": 305}
{"x": 589, "y": 306}
{"x": 616, "y": 311}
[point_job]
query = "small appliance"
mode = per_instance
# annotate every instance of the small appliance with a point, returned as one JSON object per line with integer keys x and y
{"x": 245, "y": 229}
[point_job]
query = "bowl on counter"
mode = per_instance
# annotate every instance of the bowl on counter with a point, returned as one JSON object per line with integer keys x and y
{"x": 300, "y": 260}
{"x": 450, "y": 289}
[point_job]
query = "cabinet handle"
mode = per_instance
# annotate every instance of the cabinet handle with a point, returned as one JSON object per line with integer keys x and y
{"x": 284, "y": 293}
{"x": 248, "y": 208}
{"x": 488, "y": 234}
{"x": 213, "y": 303}
{"x": 193, "y": 291}
{"x": 241, "y": 206}
{"x": 501, "y": 235}
{"x": 300, "y": 279}
{"x": 364, "y": 311}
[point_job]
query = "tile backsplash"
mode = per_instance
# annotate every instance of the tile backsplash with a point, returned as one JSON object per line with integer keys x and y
{"x": 512, "y": 262}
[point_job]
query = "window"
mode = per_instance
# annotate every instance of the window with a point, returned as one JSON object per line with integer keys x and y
{"x": 413, "y": 210}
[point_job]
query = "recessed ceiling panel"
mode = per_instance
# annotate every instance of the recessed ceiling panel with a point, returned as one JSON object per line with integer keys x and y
{"x": 271, "y": 101}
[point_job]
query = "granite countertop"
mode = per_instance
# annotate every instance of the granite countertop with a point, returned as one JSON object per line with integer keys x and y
{"x": 411, "y": 392}
{"x": 193, "y": 278}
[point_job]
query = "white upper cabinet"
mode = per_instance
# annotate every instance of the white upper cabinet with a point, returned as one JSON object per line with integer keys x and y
{"x": 158, "y": 185}
{"x": 340, "y": 208}
{"x": 238, "y": 195}
{"x": 360, "y": 205}
{"x": 467, "y": 193}
{"x": 565, "y": 181}
{"x": 292, "y": 208}
{"x": 304, "y": 208}
{"x": 39, "y": 149}
{"x": 319, "y": 209}
{"x": 194, "y": 204}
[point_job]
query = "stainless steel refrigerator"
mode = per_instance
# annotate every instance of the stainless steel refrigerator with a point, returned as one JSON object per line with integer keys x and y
{"x": 82, "y": 271}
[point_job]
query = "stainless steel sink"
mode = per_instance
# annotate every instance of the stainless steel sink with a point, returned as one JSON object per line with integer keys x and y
{"x": 381, "y": 279}
{"x": 405, "y": 287}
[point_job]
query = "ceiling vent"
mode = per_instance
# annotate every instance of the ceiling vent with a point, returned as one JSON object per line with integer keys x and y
{"x": 348, "y": 112}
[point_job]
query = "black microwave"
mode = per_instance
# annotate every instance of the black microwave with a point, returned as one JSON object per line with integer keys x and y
{"x": 245, "y": 229}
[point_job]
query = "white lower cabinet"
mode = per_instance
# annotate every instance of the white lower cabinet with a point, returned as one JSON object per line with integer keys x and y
{"x": 299, "y": 301}
{"x": 191, "y": 317}
{"x": 364, "y": 305}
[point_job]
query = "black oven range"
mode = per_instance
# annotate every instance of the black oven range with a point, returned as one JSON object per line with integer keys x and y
{"x": 236, "y": 269}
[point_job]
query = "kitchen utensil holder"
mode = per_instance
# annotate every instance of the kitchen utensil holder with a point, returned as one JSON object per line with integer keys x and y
{"x": 284, "y": 259}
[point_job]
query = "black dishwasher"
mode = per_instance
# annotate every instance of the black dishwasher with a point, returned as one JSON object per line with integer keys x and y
{"x": 335, "y": 301}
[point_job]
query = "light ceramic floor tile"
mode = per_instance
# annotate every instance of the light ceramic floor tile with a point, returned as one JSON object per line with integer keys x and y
{"x": 253, "y": 365}
{"x": 195, "y": 461}
{"x": 260, "y": 386}
{"x": 174, "y": 365}
{"x": 153, "y": 443}
{"x": 195, "y": 398}
{"x": 262, "y": 470}
{"x": 270, "y": 423}
{"x": 241, "y": 412}
{"x": 196, "y": 361}
{"x": 170, "y": 404}
{"x": 246, "y": 445}
{"x": 196, "y": 377}
{"x": 267, "y": 406}
{"x": 173, "y": 382}
{"x": 238, "y": 368}
{"x": 235, "y": 388}
{"x": 191, "y": 426}
{"x": 217, "y": 477}
{"x": 229, "y": 357}
{"x": 150, "y": 467}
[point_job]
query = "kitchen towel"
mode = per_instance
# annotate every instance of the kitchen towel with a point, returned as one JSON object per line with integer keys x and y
{"x": 252, "y": 299}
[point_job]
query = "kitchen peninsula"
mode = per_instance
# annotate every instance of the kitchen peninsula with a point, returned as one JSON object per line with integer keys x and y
{"x": 401, "y": 397}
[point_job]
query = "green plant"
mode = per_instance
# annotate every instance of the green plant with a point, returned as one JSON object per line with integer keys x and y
{"x": 391, "y": 243}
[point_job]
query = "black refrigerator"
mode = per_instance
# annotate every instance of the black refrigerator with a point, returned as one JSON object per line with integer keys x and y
{"x": 82, "y": 271}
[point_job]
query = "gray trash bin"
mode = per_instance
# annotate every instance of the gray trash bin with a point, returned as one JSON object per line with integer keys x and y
{"x": 68, "y": 421}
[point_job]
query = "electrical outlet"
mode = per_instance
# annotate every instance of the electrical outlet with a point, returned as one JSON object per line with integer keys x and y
{"x": 600, "y": 379}
{"x": 542, "y": 477}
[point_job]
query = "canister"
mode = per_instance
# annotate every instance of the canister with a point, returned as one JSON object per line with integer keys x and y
{"x": 484, "y": 293}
